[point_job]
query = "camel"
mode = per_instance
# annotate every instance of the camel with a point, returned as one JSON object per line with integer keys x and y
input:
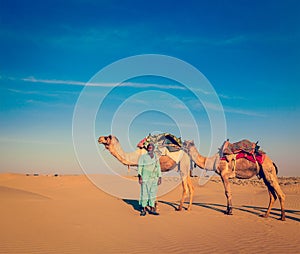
{"x": 241, "y": 169}
{"x": 167, "y": 163}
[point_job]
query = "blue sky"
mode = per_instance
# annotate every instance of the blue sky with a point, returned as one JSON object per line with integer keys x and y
{"x": 248, "y": 50}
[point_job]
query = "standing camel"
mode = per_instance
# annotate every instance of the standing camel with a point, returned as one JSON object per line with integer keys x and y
{"x": 167, "y": 163}
{"x": 243, "y": 169}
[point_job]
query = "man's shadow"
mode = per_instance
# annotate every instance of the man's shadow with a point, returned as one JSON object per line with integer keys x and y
{"x": 134, "y": 203}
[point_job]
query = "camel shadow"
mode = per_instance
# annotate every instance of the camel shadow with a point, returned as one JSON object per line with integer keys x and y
{"x": 288, "y": 211}
{"x": 214, "y": 207}
{"x": 172, "y": 204}
{"x": 276, "y": 209}
{"x": 255, "y": 210}
{"x": 258, "y": 211}
{"x": 134, "y": 203}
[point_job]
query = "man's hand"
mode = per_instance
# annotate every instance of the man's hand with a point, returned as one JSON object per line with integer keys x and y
{"x": 140, "y": 179}
{"x": 159, "y": 181}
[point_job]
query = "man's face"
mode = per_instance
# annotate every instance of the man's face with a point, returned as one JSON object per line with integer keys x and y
{"x": 150, "y": 148}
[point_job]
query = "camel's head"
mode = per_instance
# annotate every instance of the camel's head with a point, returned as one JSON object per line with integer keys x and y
{"x": 188, "y": 144}
{"x": 106, "y": 140}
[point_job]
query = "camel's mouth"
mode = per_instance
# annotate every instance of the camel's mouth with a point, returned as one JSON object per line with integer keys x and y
{"x": 102, "y": 140}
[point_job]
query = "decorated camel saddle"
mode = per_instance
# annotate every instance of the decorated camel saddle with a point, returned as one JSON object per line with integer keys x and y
{"x": 242, "y": 149}
{"x": 166, "y": 144}
{"x": 162, "y": 140}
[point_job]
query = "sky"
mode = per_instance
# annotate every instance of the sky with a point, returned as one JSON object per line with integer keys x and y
{"x": 53, "y": 53}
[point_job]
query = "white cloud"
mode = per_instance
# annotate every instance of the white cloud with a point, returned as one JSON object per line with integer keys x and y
{"x": 196, "y": 105}
{"x": 53, "y": 81}
{"x": 243, "y": 112}
{"x": 81, "y": 83}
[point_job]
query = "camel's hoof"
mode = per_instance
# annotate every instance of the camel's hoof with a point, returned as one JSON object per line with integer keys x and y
{"x": 282, "y": 218}
{"x": 178, "y": 209}
{"x": 229, "y": 211}
{"x": 264, "y": 215}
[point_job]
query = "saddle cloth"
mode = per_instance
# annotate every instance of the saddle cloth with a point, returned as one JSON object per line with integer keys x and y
{"x": 243, "y": 149}
{"x": 258, "y": 157}
{"x": 171, "y": 142}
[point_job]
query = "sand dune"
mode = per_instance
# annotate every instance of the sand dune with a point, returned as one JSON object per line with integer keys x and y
{"x": 69, "y": 214}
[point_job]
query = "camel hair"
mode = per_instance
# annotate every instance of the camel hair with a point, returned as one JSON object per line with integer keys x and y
{"x": 241, "y": 169}
{"x": 112, "y": 144}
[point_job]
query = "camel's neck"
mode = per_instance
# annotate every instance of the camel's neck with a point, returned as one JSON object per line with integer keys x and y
{"x": 208, "y": 163}
{"x": 129, "y": 159}
{"x": 197, "y": 157}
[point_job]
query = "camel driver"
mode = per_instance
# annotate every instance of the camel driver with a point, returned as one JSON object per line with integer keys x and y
{"x": 149, "y": 174}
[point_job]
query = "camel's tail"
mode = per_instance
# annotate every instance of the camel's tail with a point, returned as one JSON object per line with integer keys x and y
{"x": 275, "y": 168}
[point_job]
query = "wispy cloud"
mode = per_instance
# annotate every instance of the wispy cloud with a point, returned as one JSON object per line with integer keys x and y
{"x": 54, "y": 81}
{"x": 32, "y": 79}
{"x": 54, "y": 94}
{"x": 81, "y": 83}
{"x": 112, "y": 84}
{"x": 243, "y": 112}
{"x": 231, "y": 97}
{"x": 196, "y": 105}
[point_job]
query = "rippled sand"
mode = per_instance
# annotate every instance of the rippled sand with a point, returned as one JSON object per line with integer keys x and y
{"x": 69, "y": 214}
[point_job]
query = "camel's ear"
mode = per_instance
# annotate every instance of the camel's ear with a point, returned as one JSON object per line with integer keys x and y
{"x": 108, "y": 139}
{"x": 191, "y": 142}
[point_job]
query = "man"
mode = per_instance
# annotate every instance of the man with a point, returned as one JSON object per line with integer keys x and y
{"x": 149, "y": 174}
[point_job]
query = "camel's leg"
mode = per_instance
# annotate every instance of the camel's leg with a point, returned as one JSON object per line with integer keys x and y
{"x": 271, "y": 182}
{"x": 184, "y": 191}
{"x": 228, "y": 194}
{"x": 191, "y": 191}
{"x": 273, "y": 197}
{"x": 281, "y": 197}
{"x": 187, "y": 185}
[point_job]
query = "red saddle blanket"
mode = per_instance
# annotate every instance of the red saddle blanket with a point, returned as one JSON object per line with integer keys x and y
{"x": 259, "y": 157}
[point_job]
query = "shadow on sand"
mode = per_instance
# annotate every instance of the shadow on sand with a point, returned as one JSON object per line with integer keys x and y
{"x": 174, "y": 205}
{"x": 258, "y": 211}
{"x": 255, "y": 210}
{"x": 277, "y": 213}
{"x": 134, "y": 203}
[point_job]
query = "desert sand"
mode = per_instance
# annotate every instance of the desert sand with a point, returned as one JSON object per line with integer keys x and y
{"x": 69, "y": 214}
